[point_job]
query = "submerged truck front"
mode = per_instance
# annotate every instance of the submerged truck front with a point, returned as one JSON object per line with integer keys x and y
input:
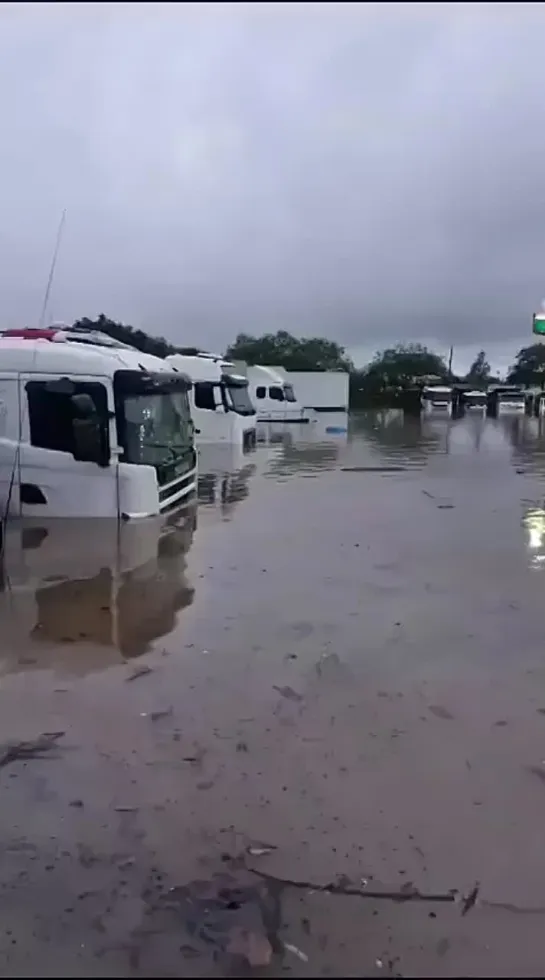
{"x": 273, "y": 396}
{"x": 220, "y": 404}
{"x": 91, "y": 429}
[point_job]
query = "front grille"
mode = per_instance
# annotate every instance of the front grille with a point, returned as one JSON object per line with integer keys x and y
{"x": 173, "y": 489}
{"x": 168, "y": 472}
{"x": 175, "y": 506}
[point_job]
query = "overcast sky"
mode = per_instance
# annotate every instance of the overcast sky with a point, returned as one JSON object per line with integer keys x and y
{"x": 372, "y": 172}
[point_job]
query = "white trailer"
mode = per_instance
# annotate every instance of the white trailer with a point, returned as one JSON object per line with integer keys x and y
{"x": 91, "y": 428}
{"x": 319, "y": 391}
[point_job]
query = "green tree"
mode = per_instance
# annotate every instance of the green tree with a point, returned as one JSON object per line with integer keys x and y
{"x": 406, "y": 364}
{"x": 529, "y": 367}
{"x": 479, "y": 372}
{"x": 128, "y": 335}
{"x": 291, "y": 353}
{"x": 391, "y": 374}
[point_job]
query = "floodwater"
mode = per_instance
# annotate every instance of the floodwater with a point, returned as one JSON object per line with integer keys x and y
{"x": 345, "y": 653}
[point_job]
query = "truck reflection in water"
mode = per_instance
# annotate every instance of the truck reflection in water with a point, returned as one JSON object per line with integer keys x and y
{"x": 82, "y": 596}
{"x": 225, "y": 472}
{"x": 402, "y": 438}
{"x": 305, "y": 450}
{"x": 534, "y": 523}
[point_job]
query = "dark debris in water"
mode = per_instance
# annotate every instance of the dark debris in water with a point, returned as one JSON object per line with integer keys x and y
{"x": 470, "y": 899}
{"x": 538, "y": 771}
{"x": 235, "y": 915}
{"x": 440, "y": 712}
{"x": 343, "y": 886}
{"x": 36, "y": 748}
{"x": 140, "y": 671}
{"x": 288, "y": 693}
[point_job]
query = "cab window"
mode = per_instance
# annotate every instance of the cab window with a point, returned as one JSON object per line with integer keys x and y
{"x": 51, "y": 413}
{"x": 204, "y": 396}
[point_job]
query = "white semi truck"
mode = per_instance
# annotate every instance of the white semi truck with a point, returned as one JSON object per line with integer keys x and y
{"x": 274, "y": 397}
{"x": 90, "y": 427}
{"x": 220, "y": 403}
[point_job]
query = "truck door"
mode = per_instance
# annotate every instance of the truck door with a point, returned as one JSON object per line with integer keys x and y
{"x": 9, "y": 442}
{"x": 54, "y": 482}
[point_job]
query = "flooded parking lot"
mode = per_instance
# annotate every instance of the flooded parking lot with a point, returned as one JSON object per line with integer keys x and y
{"x": 331, "y": 673}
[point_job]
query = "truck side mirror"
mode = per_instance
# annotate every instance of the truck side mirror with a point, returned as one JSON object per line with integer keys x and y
{"x": 90, "y": 443}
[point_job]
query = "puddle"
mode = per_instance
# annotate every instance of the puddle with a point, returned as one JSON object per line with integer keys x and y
{"x": 344, "y": 673}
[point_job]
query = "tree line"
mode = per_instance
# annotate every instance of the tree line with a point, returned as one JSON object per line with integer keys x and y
{"x": 389, "y": 374}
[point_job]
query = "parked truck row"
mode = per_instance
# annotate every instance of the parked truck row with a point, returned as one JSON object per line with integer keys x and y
{"x": 494, "y": 400}
{"x": 91, "y": 427}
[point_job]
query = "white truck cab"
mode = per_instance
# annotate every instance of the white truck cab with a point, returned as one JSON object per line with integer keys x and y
{"x": 437, "y": 399}
{"x": 272, "y": 394}
{"x": 91, "y": 428}
{"x": 475, "y": 401}
{"x": 220, "y": 404}
{"x": 507, "y": 400}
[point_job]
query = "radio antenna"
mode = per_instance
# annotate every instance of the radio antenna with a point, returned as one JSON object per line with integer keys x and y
{"x": 52, "y": 269}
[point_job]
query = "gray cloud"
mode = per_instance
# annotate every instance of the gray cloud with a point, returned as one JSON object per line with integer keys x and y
{"x": 373, "y": 172}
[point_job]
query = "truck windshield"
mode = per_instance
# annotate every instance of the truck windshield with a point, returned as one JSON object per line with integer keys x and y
{"x": 238, "y": 399}
{"x": 289, "y": 393}
{"x": 511, "y": 396}
{"x": 437, "y": 396}
{"x": 158, "y": 427}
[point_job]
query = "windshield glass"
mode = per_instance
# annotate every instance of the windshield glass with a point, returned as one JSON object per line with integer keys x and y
{"x": 289, "y": 393}
{"x": 158, "y": 427}
{"x": 511, "y": 396}
{"x": 238, "y": 399}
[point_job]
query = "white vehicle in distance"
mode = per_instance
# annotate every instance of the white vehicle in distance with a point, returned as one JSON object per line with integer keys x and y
{"x": 475, "y": 401}
{"x": 437, "y": 399}
{"x": 506, "y": 400}
{"x": 90, "y": 427}
{"x": 220, "y": 404}
{"x": 274, "y": 397}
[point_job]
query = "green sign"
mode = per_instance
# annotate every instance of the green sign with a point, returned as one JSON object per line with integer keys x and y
{"x": 539, "y": 323}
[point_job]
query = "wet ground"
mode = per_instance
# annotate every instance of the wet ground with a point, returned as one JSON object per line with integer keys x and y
{"x": 345, "y": 653}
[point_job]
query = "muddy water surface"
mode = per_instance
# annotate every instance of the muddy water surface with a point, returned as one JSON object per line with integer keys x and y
{"x": 345, "y": 653}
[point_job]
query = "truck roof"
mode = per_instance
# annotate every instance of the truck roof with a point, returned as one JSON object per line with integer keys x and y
{"x": 20, "y": 355}
{"x": 197, "y": 367}
{"x": 266, "y": 374}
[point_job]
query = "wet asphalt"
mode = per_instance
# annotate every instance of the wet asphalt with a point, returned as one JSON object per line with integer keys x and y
{"x": 331, "y": 672}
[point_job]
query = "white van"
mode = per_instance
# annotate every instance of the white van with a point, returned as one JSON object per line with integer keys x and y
{"x": 220, "y": 404}
{"x": 90, "y": 427}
